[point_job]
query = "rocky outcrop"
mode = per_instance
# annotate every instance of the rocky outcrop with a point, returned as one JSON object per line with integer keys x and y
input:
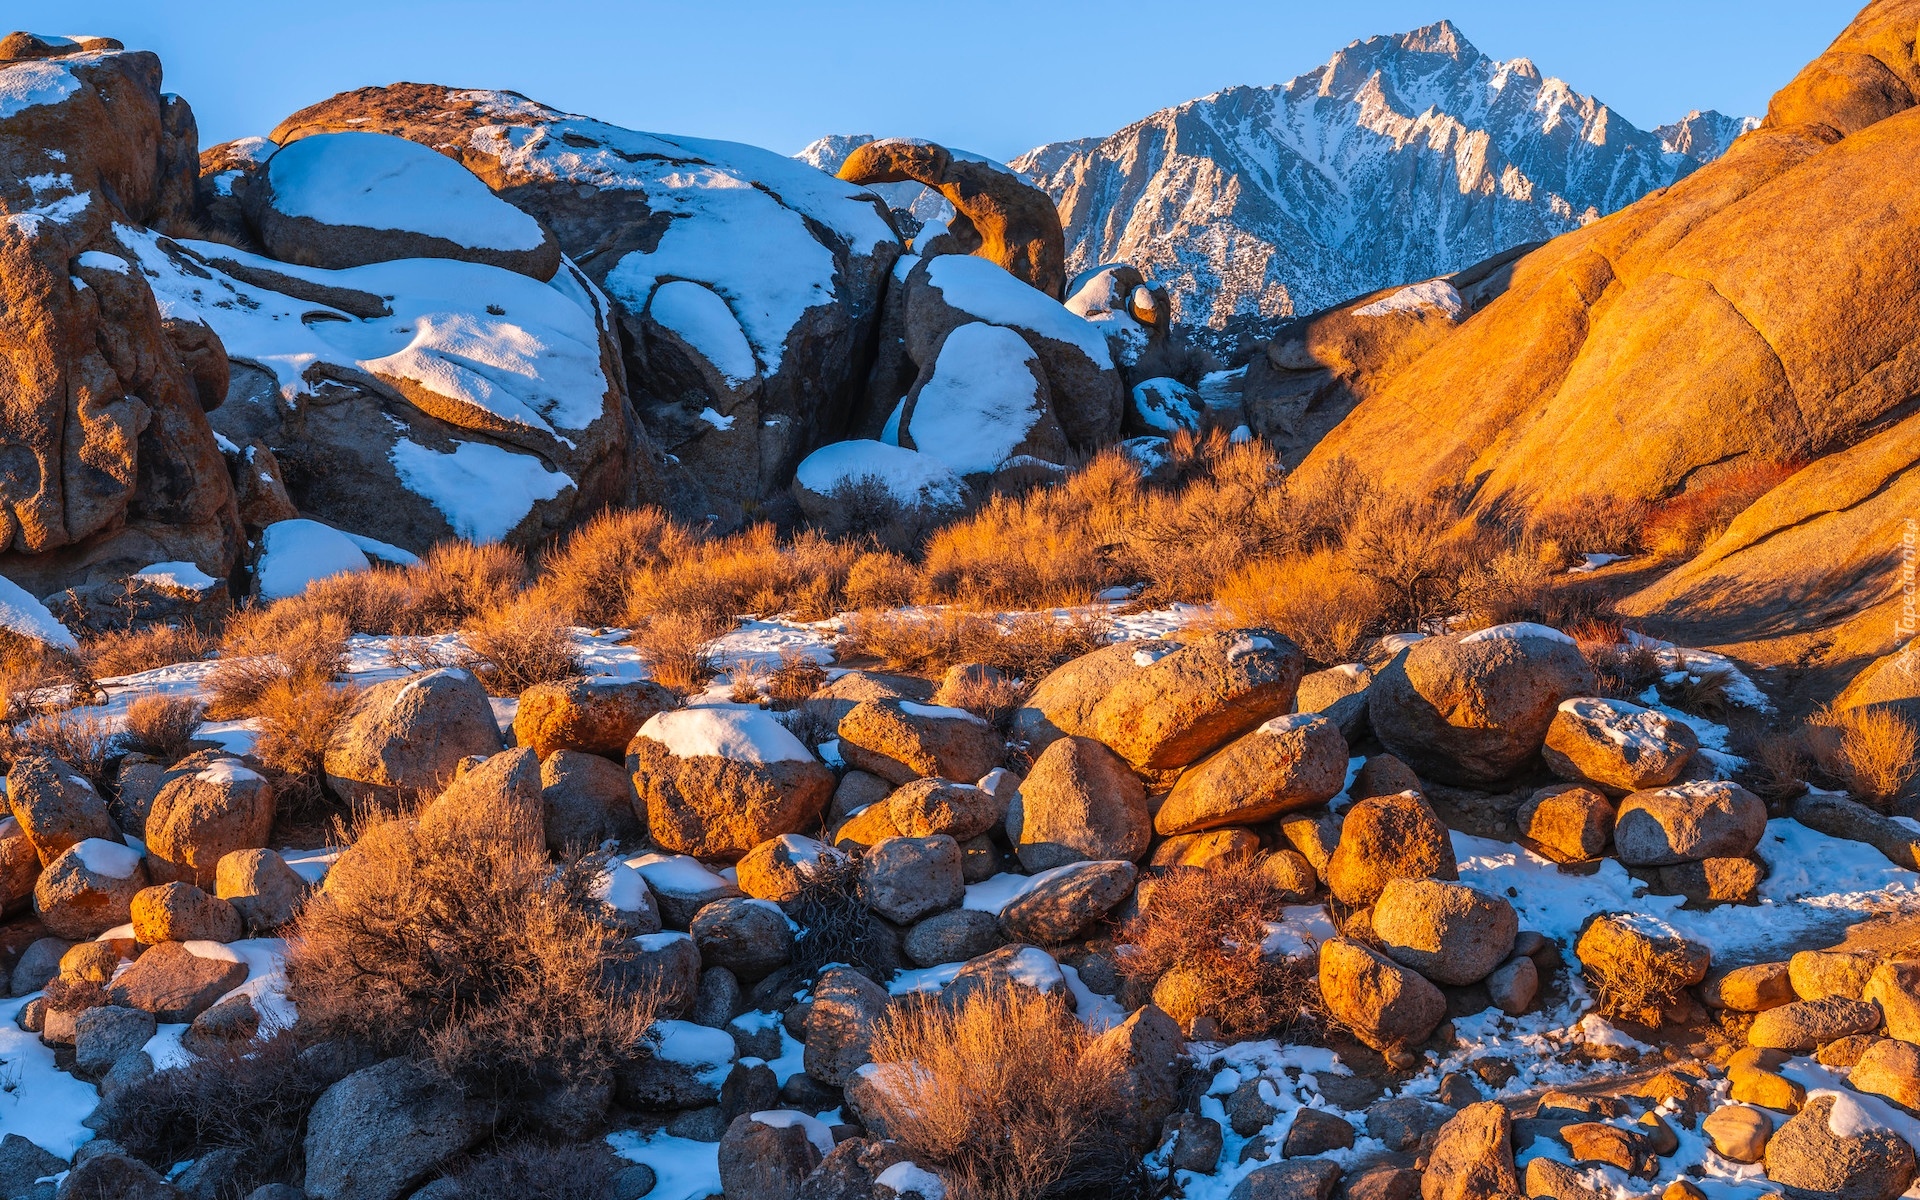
{"x": 746, "y": 285}
{"x": 998, "y": 215}
{"x": 107, "y": 461}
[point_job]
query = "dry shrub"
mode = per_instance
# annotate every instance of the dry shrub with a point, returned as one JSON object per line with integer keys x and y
{"x": 1873, "y": 752}
{"x": 1412, "y": 550}
{"x": 678, "y": 647}
{"x": 812, "y": 721}
{"x": 798, "y": 677}
{"x": 1051, "y": 546}
{"x": 836, "y": 926}
{"x": 992, "y": 697}
{"x": 589, "y": 576}
{"x": 255, "y": 1102}
{"x": 1680, "y": 527}
{"x": 1187, "y": 543}
{"x": 537, "y": 1171}
{"x": 457, "y": 581}
{"x": 84, "y": 741}
{"x": 297, "y": 718}
{"x": 519, "y": 643}
{"x": 35, "y": 678}
{"x": 1640, "y": 981}
{"x": 1702, "y": 693}
{"x": 125, "y": 652}
{"x": 747, "y": 572}
{"x": 880, "y": 579}
{"x": 1025, "y": 646}
{"x": 1594, "y": 524}
{"x": 1510, "y": 586}
{"x": 1777, "y": 763}
{"x": 163, "y": 726}
{"x": 1622, "y": 671}
{"x": 266, "y": 646}
{"x": 462, "y": 945}
{"x": 1206, "y": 926}
{"x": 1007, "y": 1096}
{"x": 1326, "y": 607}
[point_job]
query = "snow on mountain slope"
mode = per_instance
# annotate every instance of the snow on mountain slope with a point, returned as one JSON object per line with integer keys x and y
{"x": 1401, "y": 158}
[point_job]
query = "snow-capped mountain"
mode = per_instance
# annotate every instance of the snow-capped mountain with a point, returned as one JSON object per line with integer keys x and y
{"x": 1402, "y": 158}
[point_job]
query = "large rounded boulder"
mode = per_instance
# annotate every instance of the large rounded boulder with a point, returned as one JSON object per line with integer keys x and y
{"x": 1078, "y": 803}
{"x": 1388, "y": 1006}
{"x": 1617, "y": 746}
{"x": 717, "y": 782}
{"x": 593, "y": 714}
{"x": 1834, "y": 1147}
{"x": 89, "y": 888}
{"x": 199, "y": 819}
{"x": 1286, "y": 764}
{"x": 1689, "y": 822}
{"x": 1195, "y": 698}
{"x": 1384, "y": 838}
{"x": 1449, "y": 932}
{"x": 1062, "y": 704}
{"x": 903, "y": 740}
{"x": 410, "y": 735}
{"x": 1473, "y": 709}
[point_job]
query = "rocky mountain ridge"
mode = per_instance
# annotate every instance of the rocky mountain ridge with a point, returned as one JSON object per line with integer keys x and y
{"x": 1401, "y": 158}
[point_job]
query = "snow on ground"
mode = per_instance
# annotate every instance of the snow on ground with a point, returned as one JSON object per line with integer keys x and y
{"x": 378, "y": 181}
{"x": 39, "y": 1101}
{"x": 683, "y": 1168}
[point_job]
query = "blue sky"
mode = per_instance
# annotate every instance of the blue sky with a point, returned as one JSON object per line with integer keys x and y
{"x": 994, "y": 76}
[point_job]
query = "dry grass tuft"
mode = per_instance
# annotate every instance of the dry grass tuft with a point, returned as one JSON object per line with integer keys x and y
{"x": 1702, "y": 693}
{"x": 125, "y": 652}
{"x": 678, "y": 648}
{"x": 1205, "y": 927}
{"x": 86, "y": 742}
{"x": 1640, "y": 981}
{"x": 589, "y": 576}
{"x": 266, "y": 646}
{"x": 1873, "y": 752}
{"x": 519, "y": 643}
{"x": 297, "y": 718}
{"x": 1025, "y": 646}
{"x": 796, "y": 679}
{"x": 1623, "y": 671}
{"x": 1317, "y": 599}
{"x": 991, "y": 696}
{"x": 163, "y": 726}
{"x": 466, "y": 947}
{"x": 1008, "y": 1097}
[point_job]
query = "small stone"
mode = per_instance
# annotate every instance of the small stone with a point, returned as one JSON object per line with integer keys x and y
{"x": 1316, "y": 1132}
{"x": 1750, "y": 989}
{"x": 1738, "y": 1132}
{"x": 1805, "y": 1024}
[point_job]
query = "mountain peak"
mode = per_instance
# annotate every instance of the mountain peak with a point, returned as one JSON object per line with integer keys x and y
{"x": 1441, "y": 37}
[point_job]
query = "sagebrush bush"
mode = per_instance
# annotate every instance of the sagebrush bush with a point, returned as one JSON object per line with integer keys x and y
{"x": 1412, "y": 549}
{"x": 267, "y": 645}
{"x": 1007, "y": 1096}
{"x": 458, "y": 942}
{"x": 537, "y": 1171}
{"x": 518, "y": 643}
{"x": 1639, "y": 981}
{"x": 1873, "y": 752}
{"x": 992, "y": 697}
{"x": 297, "y": 717}
{"x": 1594, "y": 525}
{"x": 590, "y": 575}
{"x": 254, "y": 1101}
{"x": 678, "y": 647}
{"x": 85, "y": 741}
{"x": 797, "y": 677}
{"x": 1206, "y": 925}
{"x": 1621, "y": 670}
{"x": 1315, "y": 598}
{"x": 1682, "y": 526}
{"x": 127, "y": 651}
{"x": 1025, "y": 646}
{"x": 163, "y": 726}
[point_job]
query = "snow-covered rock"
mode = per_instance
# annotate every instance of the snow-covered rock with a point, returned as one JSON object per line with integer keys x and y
{"x": 911, "y": 480}
{"x": 415, "y": 400}
{"x": 298, "y": 552}
{"x": 796, "y": 259}
{"x": 984, "y": 404}
{"x": 348, "y": 199}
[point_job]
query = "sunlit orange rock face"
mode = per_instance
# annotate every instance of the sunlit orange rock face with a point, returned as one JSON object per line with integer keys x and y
{"x": 1762, "y": 310}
